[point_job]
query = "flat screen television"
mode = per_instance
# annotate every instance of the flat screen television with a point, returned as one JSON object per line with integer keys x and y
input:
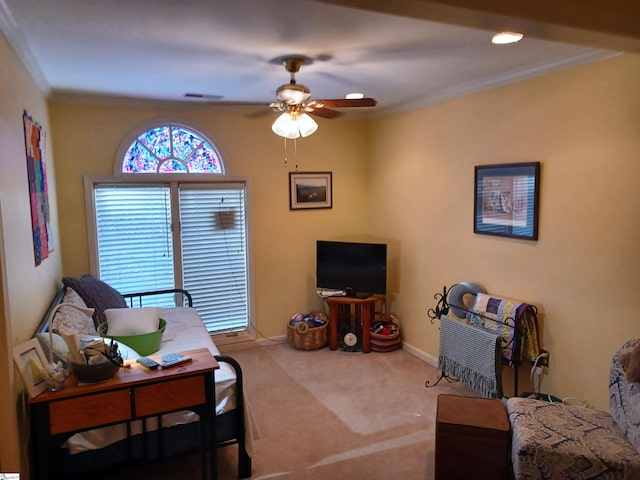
{"x": 360, "y": 269}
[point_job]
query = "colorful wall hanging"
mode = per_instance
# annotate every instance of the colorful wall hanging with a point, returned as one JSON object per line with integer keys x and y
{"x": 34, "y": 139}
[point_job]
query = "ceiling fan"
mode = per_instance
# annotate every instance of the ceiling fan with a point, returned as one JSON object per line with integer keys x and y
{"x": 295, "y": 107}
{"x": 293, "y": 95}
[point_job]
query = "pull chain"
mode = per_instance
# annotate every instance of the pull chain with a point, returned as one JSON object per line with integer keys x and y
{"x": 286, "y": 162}
{"x": 295, "y": 152}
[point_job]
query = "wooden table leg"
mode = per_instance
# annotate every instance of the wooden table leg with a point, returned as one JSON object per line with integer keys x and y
{"x": 333, "y": 326}
{"x": 210, "y": 386}
{"x": 340, "y": 311}
{"x": 364, "y": 317}
{"x": 42, "y": 446}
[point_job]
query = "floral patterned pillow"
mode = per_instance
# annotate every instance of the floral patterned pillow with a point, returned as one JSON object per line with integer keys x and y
{"x": 624, "y": 397}
{"x": 70, "y": 320}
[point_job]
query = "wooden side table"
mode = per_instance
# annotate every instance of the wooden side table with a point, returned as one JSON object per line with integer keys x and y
{"x": 473, "y": 438}
{"x": 340, "y": 311}
{"x": 134, "y": 393}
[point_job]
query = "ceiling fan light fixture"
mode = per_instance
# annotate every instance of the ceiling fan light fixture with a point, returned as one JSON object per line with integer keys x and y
{"x": 504, "y": 38}
{"x": 293, "y": 93}
{"x": 286, "y": 126}
{"x": 293, "y": 125}
{"x": 306, "y": 125}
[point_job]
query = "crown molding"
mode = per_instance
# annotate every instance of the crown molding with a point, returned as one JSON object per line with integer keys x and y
{"x": 508, "y": 78}
{"x": 11, "y": 31}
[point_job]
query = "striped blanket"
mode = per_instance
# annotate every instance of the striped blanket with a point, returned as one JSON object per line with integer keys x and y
{"x": 499, "y": 315}
{"x": 472, "y": 355}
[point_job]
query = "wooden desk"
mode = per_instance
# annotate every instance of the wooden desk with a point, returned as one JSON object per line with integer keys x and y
{"x": 340, "y": 311}
{"x": 134, "y": 393}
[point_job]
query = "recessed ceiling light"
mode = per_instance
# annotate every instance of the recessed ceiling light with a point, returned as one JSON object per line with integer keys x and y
{"x": 503, "y": 38}
{"x": 354, "y": 96}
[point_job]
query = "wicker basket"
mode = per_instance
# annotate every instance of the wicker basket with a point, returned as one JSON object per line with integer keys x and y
{"x": 304, "y": 337}
{"x": 385, "y": 343}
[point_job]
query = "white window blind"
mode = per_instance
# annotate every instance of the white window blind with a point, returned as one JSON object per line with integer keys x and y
{"x": 135, "y": 244}
{"x": 214, "y": 254}
{"x": 135, "y": 247}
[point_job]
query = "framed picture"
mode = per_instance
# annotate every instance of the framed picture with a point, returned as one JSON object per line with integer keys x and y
{"x": 506, "y": 200}
{"x": 310, "y": 190}
{"x": 31, "y": 362}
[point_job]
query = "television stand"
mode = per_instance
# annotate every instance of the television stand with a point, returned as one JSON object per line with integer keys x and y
{"x": 340, "y": 311}
{"x": 351, "y": 293}
{"x": 361, "y": 295}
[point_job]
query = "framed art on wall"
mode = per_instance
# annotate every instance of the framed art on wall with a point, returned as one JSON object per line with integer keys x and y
{"x": 309, "y": 190}
{"x": 506, "y": 200}
{"x": 31, "y": 361}
{"x": 35, "y": 140}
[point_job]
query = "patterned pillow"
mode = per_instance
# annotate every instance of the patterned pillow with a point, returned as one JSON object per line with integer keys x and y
{"x": 70, "y": 320}
{"x": 96, "y": 294}
{"x": 71, "y": 296}
{"x": 624, "y": 398}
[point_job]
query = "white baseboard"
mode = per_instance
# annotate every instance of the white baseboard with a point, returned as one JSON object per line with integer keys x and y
{"x": 422, "y": 355}
{"x": 265, "y": 342}
{"x": 260, "y": 342}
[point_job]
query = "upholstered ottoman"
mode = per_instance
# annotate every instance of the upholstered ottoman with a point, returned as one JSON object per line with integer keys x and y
{"x": 552, "y": 441}
{"x": 473, "y": 439}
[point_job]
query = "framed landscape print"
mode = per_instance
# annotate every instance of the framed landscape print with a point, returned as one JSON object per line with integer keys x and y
{"x": 310, "y": 190}
{"x": 506, "y": 200}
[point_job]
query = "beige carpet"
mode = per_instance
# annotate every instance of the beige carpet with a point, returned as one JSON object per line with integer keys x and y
{"x": 339, "y": 415}
{"x": 328, "y": 415}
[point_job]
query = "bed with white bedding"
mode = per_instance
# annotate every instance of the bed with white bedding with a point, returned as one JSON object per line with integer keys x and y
{"x": 104, "y": 447}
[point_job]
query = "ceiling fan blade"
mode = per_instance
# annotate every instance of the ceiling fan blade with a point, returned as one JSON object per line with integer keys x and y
{"x": 346, "y": 103}
{"x": 260, "y": 113}
{"x": 325, "y": 113}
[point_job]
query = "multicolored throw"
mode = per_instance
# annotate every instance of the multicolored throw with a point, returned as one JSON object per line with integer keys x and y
{"x": 501, "y": 315}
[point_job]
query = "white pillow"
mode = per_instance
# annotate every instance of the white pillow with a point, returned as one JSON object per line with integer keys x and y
{"x": 132, "y": 321}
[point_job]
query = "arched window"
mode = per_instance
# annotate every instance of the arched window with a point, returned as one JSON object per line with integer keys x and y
{"x": 159, "y": 231}
{"x": 171, "y": 149}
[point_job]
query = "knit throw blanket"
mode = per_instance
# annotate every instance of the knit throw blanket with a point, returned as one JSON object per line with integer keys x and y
{"x": 472, "y": 355}
{"x": 500, "y": 315}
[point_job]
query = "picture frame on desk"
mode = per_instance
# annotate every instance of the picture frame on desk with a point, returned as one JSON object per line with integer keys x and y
{"x": 506, "y": 200}
{"x": 310, "y": 190}
{"x": 31, "y": 362}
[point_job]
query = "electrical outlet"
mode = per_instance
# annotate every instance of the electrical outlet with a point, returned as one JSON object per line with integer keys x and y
{"x": 544, "y": 361}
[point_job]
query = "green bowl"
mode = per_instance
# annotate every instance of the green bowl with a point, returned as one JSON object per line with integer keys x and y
{"x": 144, "y": 344}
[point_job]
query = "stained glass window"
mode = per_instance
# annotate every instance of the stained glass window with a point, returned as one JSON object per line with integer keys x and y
{"x": 171, "y": 149}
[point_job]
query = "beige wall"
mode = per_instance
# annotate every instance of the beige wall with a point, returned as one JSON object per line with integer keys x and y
{"x": 411, "y": 184}
{"x": 26, "y": 289}
{"x": 283, "y": 241}
{"x": 406, "y": 179}
{"x": 583, "y": 126}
